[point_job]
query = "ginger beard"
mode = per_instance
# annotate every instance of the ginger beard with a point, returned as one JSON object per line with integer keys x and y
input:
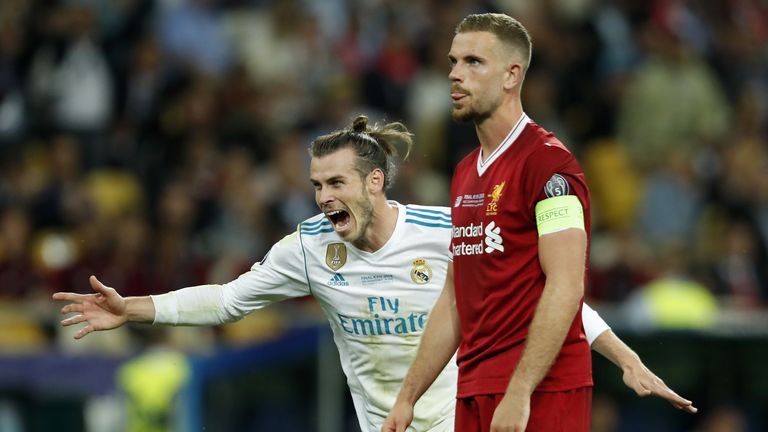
{"x": 467, "y": 108}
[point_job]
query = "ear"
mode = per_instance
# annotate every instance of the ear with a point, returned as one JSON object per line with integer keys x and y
{"x": 376, "y": 180}
{"x": 514, "y": 76}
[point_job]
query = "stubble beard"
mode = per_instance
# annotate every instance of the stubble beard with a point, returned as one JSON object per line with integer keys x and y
{"x": 364, "y": 220}
{"x": 469, "y": 114}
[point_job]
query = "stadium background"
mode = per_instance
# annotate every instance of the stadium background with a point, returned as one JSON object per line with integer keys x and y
{"x": 160, "y": 144}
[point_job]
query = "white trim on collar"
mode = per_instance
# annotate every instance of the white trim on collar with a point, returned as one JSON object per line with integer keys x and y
{"x": 505, "y": 144}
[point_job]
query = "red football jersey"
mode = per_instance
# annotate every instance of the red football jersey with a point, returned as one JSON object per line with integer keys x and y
{"x": 498, "y": 277}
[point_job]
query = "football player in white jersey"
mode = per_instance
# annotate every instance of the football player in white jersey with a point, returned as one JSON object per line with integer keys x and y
{"x": 375, "y": 267}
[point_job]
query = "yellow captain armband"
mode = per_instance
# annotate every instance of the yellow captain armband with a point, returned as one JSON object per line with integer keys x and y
{"x": 559, "y": 213}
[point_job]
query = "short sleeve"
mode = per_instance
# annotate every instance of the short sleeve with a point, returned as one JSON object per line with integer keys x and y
{"x": 594, "y": 325}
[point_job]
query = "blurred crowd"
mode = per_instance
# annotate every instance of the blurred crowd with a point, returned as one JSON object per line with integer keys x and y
{"x": 161, "y": 144}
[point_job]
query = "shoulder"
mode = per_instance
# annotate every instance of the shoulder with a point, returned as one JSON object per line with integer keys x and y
{"x": 436, "y": 217}
{"x": 545, "y": 151}
{"x": 543, "y": 143}
{"x": 316, "y": 225}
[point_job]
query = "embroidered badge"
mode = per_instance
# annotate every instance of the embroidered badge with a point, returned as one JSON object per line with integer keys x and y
{"x": 557, "y": 185}
{"x": 493, "y": 206}
{"x": 336, "y": 255}
{"x": 421, "y": 273}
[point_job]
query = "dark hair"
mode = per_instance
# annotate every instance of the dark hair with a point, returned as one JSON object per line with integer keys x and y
{"x": 506, "y": 28}
{"x": 375, "y": 147}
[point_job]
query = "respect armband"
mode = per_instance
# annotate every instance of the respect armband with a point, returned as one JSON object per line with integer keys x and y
{"x": 558, "y": 214}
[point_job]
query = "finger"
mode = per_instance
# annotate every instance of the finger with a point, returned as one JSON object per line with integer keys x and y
{"x": 690, "y": 409}
{"x": 72, "y": 307}
{"x": 73, "y": 320}
{"x": 670, "y": 395}
{"x": 84, "y": 331}
{"x": 98, "y": 286}
{"x": 675, "y": 399}
{"x": 641, "y": 389}
{"x": 68, "y": 296}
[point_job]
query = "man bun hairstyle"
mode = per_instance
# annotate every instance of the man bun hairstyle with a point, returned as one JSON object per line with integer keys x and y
{"x": 375, "y": 147}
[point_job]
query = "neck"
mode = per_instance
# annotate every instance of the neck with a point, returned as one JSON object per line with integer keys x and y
{"x": 379, "y": 231}
{"x": 492, "y": 130}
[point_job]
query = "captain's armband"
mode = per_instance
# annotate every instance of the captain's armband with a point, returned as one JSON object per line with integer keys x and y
{"x": 559, "y": 213}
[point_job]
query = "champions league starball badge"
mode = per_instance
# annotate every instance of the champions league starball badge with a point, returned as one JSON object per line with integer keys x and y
{"x": 556, "y": 186}
{"x": 421, "y": 273}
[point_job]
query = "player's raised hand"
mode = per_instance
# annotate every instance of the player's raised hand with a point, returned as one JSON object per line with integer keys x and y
{"x": 103, "y": 310}
{"x": 645, "y": 383}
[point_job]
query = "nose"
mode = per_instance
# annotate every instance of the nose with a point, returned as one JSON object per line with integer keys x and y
{"x": 324, "y": 196}
{"x": 454, "y": 75}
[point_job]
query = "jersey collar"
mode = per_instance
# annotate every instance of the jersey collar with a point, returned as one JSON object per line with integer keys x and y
{"x": 505, "y": 144}
{"x": 396, "y": 234}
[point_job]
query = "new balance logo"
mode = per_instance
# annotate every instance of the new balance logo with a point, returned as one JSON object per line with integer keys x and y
{"x": 493, "y": 240}
{"x": 338, "y": 280}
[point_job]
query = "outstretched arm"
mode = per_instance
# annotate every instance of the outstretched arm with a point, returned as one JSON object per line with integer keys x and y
{"x": 105, "y": 309}
{"x": 277, "y": 277}
{"x": 438, "y": 344}
{"x": 636, "y": 375}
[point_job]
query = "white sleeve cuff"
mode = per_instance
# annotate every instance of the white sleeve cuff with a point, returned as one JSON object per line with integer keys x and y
{"x": 594, "y": 325}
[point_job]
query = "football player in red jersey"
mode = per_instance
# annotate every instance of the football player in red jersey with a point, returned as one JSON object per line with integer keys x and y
{"x": 521, "y": 221}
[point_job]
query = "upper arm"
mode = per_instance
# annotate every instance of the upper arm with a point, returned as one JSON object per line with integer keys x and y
{"x": 279, "y": 276}
{"x": 562, "y": 256}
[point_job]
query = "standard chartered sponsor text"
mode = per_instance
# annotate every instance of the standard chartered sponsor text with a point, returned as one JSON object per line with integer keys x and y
{"x": 468, "y": 248}
{"x": 470, "y": 230}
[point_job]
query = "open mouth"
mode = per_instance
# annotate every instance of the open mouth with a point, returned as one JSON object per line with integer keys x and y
{"x": 339, "y": 219}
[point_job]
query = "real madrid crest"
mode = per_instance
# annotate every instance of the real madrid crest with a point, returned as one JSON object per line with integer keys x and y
{"x": 421, "y": 273}
{"x": 336, "y": 255}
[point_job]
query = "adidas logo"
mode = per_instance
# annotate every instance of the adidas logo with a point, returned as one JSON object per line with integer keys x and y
{"x": 338, "y": 280}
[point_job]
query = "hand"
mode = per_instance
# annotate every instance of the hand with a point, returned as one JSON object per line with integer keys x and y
{"x": 644, "y": 382}
{"x": 104, "y": 310}
{"x": 511, "y": 414}
{"x": 399, "y": 418}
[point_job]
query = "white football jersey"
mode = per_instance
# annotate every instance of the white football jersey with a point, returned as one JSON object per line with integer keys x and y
{"x": 376, "y": 302}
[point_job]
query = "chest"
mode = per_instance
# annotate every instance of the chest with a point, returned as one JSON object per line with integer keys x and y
{"x": 497, "y": 196}
{"x": 387, "y": 284}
